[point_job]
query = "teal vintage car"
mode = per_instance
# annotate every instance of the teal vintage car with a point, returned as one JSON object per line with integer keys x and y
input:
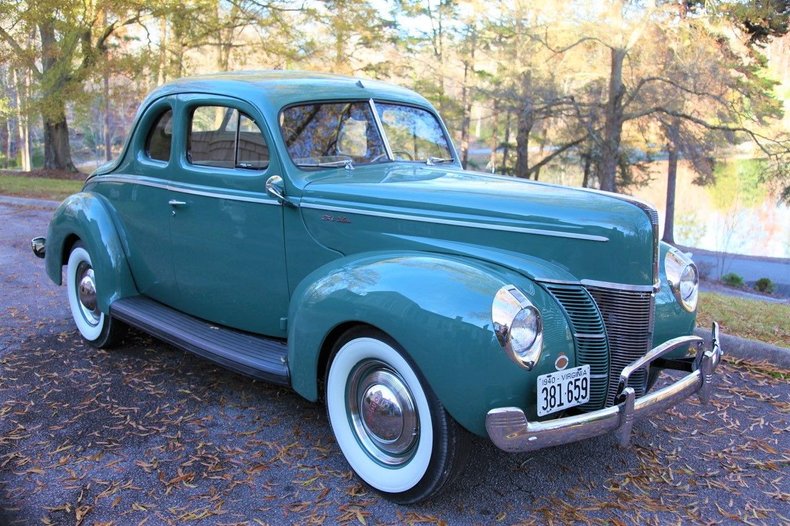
{"x": 318, "y": 232}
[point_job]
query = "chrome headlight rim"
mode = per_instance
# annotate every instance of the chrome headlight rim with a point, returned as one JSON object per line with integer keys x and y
{"x": 509, "y": 303}
{"x": 677, "y": 267}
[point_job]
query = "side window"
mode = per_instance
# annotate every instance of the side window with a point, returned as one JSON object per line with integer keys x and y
{"x": 157, "y": 144}
{"x": 252, "y": 150}
{"x": 223, "y": 137}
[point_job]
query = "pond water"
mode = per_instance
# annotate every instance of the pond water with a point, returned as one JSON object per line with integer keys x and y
{"x": 738, "y": 214}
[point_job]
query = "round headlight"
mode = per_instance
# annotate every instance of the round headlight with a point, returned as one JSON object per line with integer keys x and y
{"x": 525, "y": 330}
{"x": 689, "y": 286}
{"x": 683, "y": 278}
{"x": 518, "y": 326}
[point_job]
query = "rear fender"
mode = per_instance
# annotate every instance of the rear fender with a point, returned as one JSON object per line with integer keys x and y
{"x": 438, "y": 308}
{"x": 87, "y": 217}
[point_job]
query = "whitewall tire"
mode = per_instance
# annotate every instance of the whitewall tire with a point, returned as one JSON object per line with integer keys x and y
{"x": 97, "y": 328}
{"x": 389, "y": 425}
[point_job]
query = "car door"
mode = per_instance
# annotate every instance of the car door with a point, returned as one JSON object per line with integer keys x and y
{"x": 226, "y": 233}
{"x": 138, "y": 191}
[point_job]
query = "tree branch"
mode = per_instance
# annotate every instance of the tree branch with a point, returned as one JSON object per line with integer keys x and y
{"x": 535, "y": 167}
{"x": 20, "y": 51}
{"x": 760, "y": 140}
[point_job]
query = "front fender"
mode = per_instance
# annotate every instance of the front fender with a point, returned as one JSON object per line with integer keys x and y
{"x": 87, "y": 216}
{"x": 438, "y": 308}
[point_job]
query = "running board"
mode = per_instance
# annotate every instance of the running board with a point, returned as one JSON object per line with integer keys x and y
{"x": 254, "y": 356}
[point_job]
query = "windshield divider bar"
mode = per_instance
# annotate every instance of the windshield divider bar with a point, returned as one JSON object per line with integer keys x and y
{"x": 380, "y": 126}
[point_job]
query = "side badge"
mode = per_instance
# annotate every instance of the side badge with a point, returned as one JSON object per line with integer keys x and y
{"x": 561, "y": 362}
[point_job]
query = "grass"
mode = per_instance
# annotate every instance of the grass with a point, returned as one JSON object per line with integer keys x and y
{"x": 755, "y": 320}
{"x": 38, "y": 187}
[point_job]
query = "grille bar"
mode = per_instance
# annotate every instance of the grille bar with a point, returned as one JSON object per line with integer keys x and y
{"x": 590, "y": 338}
{"x": 628, "y": 317}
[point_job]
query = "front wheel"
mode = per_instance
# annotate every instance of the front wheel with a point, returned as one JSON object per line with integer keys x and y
{"x": 389, "y": 424}
{"x": 98, "y": 329}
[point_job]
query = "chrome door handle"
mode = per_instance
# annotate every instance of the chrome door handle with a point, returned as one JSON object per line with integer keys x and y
{"x": 175, "y": 203}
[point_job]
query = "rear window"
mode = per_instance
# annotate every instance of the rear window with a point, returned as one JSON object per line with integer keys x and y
{"x": 224, "y": 137}
{"x": 160, "y": 138}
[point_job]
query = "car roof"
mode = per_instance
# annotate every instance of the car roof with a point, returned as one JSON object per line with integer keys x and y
{"x": 278, "y": 88}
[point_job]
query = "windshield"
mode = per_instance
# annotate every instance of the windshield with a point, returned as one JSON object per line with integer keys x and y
{"x": 332, "y": 134}
{"x": 347, "y": 133}
{"x": 413, "y": 134}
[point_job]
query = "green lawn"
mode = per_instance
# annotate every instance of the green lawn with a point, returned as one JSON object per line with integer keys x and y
{"x": 38, "y": 187}
{"x": 755, "y": 320}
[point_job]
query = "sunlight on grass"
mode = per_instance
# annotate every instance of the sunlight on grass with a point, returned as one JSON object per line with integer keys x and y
{"x": 755, "y": 320}
{"x": 38, "y": 187}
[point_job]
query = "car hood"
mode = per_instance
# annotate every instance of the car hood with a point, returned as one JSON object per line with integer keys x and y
{"x": 582, "y": 234}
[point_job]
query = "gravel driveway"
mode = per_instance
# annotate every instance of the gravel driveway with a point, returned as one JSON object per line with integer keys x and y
{"x": 146, "y": 434}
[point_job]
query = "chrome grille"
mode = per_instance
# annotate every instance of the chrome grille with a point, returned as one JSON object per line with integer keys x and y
{"x": 589, "y": 336}
{"x": 628, "y": 317}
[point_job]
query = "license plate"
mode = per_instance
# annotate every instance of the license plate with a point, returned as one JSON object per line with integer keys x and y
{"x": 563, "y": 389}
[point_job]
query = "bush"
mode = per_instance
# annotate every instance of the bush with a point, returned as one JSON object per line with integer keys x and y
{"x": 764, "y": 285}
{"x": 732, "y": 279}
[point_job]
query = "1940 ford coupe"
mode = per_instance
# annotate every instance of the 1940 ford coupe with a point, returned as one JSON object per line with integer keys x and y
{"x": 318, "y": 232}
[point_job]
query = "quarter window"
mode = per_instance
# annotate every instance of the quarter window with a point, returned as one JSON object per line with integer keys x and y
{"x": 160, "y": 138}
{"x": 226, "y": 138}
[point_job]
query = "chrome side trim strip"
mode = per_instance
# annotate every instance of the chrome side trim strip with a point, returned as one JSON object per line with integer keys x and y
{"x": 189, "y": 191}
{"x": 456, "y": 222}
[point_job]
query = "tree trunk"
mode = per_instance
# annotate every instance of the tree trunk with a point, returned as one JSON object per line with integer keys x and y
{"x": 163, "y": 34}
{"x": 469, "y": 67}
{"x": 613, "y": 126}
{"x": 506, "y": 142}
{"x": 57, "y": 151}
{"x": 107, "y": 119}
{"x": 672, "y": 175}
{"x": 466, "y": 119}
{"x": 525, "y": 123}
{"x": 494, "y": 137}
{"x": 23, "y": 129}
{"x": 587, "y": 163}
{"x": 5, "y": 141}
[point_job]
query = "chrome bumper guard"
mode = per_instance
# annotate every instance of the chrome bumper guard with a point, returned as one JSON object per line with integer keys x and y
{"x": 509, "y": 429}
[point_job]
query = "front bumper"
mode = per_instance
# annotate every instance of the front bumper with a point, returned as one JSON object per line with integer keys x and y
{"x": 509, "y": 429}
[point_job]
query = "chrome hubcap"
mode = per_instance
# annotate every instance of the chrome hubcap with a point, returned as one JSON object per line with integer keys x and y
{"x": 382, "y": 412}
{"x": 86, "y": 294}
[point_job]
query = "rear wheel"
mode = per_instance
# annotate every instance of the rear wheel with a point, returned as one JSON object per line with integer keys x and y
{"x": 97, "y": 328}
{"x": 391, "y": 427}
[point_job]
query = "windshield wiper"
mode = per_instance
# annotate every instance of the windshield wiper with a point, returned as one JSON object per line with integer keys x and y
{"x": 430, "y": 161}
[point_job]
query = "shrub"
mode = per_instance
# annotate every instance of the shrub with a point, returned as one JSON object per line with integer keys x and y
{"x": 764, "y": 285}
{"x": 732, "y": 279}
